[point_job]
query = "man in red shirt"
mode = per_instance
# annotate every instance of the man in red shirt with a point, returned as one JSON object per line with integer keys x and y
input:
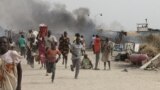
{"x": 97, "y": 48}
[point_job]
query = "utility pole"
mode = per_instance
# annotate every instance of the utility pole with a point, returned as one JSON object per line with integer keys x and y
{"x": 146, "y": 22}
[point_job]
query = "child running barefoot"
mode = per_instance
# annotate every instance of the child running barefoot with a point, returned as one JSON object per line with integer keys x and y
{"x": 76, "y": 56}
{"x": 52, "y": 60}
{"x": 10, "y": 67}
{"x": 86, "y": 63}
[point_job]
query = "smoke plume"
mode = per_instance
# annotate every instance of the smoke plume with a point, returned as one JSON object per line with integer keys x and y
{"x": 23, "y": 15}
{"x": 28, "y": 14}
{"x": 116, "y": 26}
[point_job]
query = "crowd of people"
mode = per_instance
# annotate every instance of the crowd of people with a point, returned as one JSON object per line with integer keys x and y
{"x": 45, "y": 50}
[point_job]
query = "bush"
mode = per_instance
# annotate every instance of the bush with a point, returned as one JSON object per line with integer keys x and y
{"x": 151, "y": 46}
{"x": 148, "y": 49}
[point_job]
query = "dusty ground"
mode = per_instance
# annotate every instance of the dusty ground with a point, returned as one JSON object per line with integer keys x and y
{"x": 114, "y": 79}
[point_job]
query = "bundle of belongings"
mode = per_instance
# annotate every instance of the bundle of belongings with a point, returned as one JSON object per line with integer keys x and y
{"x": 136, "y": 59}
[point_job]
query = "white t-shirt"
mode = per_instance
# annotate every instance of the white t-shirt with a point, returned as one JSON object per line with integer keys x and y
{"x": 50, "y": 39}
{"x": 29, "y": 36}
{"x": 11, "y": 57}
{"x": 76, "y": 49}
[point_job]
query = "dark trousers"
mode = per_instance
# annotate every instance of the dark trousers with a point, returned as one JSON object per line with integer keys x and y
{"x": 23, "y": 51}
{"x": 97, "y": 60}
{"x": 76, "y": 64}
{"x": 19, "y": 79}
{"x": 51, "y": 68}
{"x": 30, "y": 58}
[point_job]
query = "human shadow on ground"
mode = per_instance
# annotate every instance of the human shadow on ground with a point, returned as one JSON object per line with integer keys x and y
{"x": 122, "y": 65}
{"x": 35, "y": 83}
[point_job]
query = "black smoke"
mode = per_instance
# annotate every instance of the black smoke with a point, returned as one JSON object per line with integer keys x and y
{"x": 27, "y": 14}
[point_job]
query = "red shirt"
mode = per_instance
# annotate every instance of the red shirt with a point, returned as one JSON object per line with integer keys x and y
{"x": 51, "y": 55}
{"x": 97, "y": 45}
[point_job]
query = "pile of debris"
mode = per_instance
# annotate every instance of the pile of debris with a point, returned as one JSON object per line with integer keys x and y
{"x": 152, "y": 48}
{"x": 154, "y": 63}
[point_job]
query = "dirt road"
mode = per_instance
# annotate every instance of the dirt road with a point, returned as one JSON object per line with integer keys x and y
{"x": 114, "y": 79}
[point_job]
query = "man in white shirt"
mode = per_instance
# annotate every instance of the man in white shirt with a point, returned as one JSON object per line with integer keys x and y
{"x": 76, "y": 56}
{"x": 50, "y": 40}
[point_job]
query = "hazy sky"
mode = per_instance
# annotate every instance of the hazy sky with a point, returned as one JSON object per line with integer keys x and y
{"x": 125, "y": 12}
